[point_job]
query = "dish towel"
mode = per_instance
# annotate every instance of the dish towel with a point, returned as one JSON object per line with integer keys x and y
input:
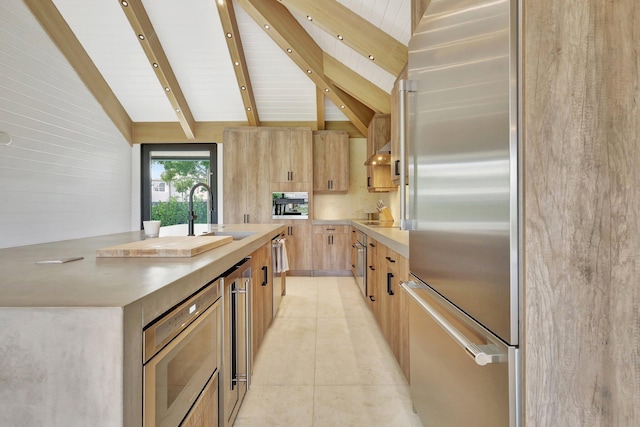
{"x": 281, "y": 261}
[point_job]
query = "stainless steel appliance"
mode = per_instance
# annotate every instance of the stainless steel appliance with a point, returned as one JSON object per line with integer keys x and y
{"x": 463, "y": 211}
{"x": 237, "y": 338}
{"x": 361, "y": 261}
{"x": 292, "y": 205}
{"x": 182, "y": 358}
{"x": 278, "y": 271}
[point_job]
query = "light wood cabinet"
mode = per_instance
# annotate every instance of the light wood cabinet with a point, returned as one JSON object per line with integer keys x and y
{"x": 299, "y": 247}
{"x": 330, "y": 162}
{"x": 331, "y": 249}
{"x": 354, "y": 251}
{"x": 378, "y": 134}
{"x": 246, "y": 193}
{"x": 262, "y": 295}
{"x": 395, "y": 131}
{"x": 291, "y": 155}
{"x": 373, "y": 297}
{"x": 204, "y": 412}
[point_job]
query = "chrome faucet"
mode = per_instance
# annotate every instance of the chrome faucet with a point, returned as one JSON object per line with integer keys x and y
{"x": 192, "y": 215}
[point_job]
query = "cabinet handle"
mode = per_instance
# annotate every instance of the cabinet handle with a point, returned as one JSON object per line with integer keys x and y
{"x": 290, "y": 230}
{"x": 396, "y": 168}
{"x": 372, "y": 268}
{"x": 353, "y": 266}
{"x": 372, "y": 245}
{"x": 265, "y": 278}
{"x": 390, "y": 259}
{"x": 389, "y": 277}
{"x": 368, "y": 181}
{"x": 372, "y": 298}
{"x": 331, "y": 229}
{"x": 328, "y": 184}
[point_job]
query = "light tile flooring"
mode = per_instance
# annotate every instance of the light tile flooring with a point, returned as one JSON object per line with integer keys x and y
{"x": 324, "y": 362}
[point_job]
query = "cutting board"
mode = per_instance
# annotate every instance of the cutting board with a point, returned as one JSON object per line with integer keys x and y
{"x": 165, "y": 247}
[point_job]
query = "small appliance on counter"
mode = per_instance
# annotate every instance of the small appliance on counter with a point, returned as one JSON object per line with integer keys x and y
{"x": 291, "y": 205}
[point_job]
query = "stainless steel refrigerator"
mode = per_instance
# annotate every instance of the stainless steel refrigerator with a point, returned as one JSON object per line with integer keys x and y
{"x": 462, "y": 129}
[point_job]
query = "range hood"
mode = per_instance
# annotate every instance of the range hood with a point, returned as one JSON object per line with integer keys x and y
{"x": 380, "y": 157}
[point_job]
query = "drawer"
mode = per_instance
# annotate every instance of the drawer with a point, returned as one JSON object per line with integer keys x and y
{"x": 330, "y": 229}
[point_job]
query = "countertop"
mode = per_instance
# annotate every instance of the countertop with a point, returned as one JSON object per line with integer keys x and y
{"x": 390, "y": 236}
{"x": 115, "y": 282}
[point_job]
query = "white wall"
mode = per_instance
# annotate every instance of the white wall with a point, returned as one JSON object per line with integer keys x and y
{"x": 67, "y": 172}
{"x": 358, "y": 201}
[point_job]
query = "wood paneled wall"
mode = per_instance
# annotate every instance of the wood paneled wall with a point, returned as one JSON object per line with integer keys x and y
{"x": 582, "y": 223}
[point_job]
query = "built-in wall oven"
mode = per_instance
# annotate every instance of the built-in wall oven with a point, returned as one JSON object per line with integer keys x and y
{"x": 237, "y": 338}
{"x": 181, "y": 360}
{"x": 361, "y": 261}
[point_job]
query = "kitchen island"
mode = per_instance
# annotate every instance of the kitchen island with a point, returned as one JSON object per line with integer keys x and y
{"x": 71, "y": 342}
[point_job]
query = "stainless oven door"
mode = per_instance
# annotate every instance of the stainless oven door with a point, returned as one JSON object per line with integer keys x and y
{"x": 175, "y": 377}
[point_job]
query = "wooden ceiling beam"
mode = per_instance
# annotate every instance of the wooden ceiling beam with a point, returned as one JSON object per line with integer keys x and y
{"x": 287, "y": 32}
{"x": 355, "y": 31}
{"x": 54, "y": 24}
{"x": 357, "y": 86}
{"x": 234, "y": 43}
{"x": 141, "y": 25}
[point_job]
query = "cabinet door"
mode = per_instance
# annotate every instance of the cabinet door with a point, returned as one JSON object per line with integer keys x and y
{"x": 301, "y": 150}
{"x": 330, "y": 162}
{"x": 354, "y": 252}
{"x": 258, "y": 192}
{"x": 299, "y": 244}
{"x": 340, "y": 252}
{"x": 262, "y": 295}
{"x": 234, "y": 194}
{"x": 280, "y": 156}
{"x": 373, "y": 293}
{"x": 331, "y": 248}
{"x": 321, "y": 250}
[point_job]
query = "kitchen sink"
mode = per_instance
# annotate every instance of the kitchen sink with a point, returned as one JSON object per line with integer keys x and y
{"x": 236, "y": 235}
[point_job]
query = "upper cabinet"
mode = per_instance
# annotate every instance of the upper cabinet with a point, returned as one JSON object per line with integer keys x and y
{"x": 396, "y": 123}
{"x": 378, "y": 145}
{"x": 330, "y": 162}
{"x": 291, "y": 155}
{"x": 246, "y": 192}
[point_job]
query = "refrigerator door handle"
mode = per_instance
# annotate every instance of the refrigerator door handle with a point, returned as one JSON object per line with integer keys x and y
{"x": 481, "y": 354}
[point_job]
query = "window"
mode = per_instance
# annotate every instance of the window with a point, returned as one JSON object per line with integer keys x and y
{"x": 169, "y": 171}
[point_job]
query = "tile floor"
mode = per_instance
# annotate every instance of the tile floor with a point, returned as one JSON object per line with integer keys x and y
{"x": 324, "y": 362}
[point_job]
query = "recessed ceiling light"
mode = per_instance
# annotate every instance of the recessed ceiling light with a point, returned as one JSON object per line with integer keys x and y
{"x": 166, "y": 89}
{"x": 248, "y": 108}
{"x": 371, "y": 57}
{"x": 243, "y": 87}
{"x": 309, "y": 18}
{"x": 229, "y": 35}
{"x": 141, "y": 36}
{"x": 342, "y": 106}
{"x": 177, "y": 110}
{"x": 289, "y": 50}
{"x": 266, "y": 26}
{"x": 155, "y": 65}
{"x": 309, "y": 71}
{"x": 124, "y": 3}
{"x": 340, "y": 37}
{"x": 326, "y": 89}
{"x": 236, "y": 63}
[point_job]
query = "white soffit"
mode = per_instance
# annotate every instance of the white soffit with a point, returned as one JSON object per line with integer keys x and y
{"x": 391, "y": 16}
{"x": 282, "y": 91}
{"x": 105, "y": 33}
{"x": 192, "y": 37}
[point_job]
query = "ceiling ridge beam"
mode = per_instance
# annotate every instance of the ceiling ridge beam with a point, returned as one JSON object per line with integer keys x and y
{"x": 355, "y": 85}
{"x": 234, "y": 43}
{"x": 63, "y": 37}
{"x": 355, "y": 31}
{"x": 287, "y": 32}
{"x": 146, "y": 34}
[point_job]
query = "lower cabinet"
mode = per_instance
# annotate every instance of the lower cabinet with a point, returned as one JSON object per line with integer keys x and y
{"x": 299, "y": 251}
{"x": 261, "y": 297}
{"x": 204, "y": 412}
{"x": 331, "y": 249}
{"x": 388, "y": 302}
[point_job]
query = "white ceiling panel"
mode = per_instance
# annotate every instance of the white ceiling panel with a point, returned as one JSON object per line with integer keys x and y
{"x": 391, "y": 16}
{"x": 106, "y": 35}
{"x": 332, "y": 113}
{"x": 194, "y": 42}
{"x": 282, "y": 91}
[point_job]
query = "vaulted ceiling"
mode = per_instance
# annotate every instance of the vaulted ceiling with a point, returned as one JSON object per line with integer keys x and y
{"x": 171, "y": 71}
